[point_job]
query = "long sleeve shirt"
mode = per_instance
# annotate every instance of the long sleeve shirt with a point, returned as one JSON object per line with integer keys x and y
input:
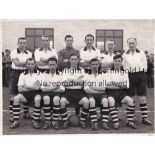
{"x": 65, "y": 54}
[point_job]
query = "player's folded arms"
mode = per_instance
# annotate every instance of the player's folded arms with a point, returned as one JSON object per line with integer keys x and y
{"x": 98, "y": 88}
{"x": 32, "y": 87}
{"x": 72, "y": 82}
{"x": 49, "y": 88}
{"x": 92, "y": 90}
{"x": 23, "y": 89}
{"x": 19, "y": 63}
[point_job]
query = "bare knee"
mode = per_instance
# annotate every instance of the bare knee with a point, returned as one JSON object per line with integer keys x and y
{"x": 16, "y": 100}
{"x": 130, "y": 101}
{"x": 85, "y": 103}
{"x": 92, "y": 102}
{"x": 63, "y": 103}
{"x": 111, "y": 101}
{"x": 142, "y": 99}
{"x": 104, "y": 102}
{"x": 37, "y": 101}
{"x": 12, "y": 97}
{"x": 46, "y": 100}
{"x": 56, "y": 100}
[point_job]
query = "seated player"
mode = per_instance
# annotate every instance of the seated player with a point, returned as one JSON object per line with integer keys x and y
{"x": 116, "y": 89}
{"x": 96, "y": 93}
{"x": 105, "y": 68}
{"x": 74, "y": 93}
{"x": 28, "y": 90}
{"x": 51, "y": 92}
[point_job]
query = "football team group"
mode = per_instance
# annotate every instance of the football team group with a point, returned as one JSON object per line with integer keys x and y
{"x": 49, "y": 81}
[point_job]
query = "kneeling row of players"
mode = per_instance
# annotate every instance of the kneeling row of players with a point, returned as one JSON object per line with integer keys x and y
{"x": 57, "y": 102}
{"x": 88, "y": 97}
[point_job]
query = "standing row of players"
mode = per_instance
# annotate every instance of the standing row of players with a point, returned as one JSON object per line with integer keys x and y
{"x": 93, "y": 62}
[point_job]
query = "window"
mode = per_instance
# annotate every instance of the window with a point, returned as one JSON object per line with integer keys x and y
{"x": 103, "y": 35}
{"x": 33, "y": 37}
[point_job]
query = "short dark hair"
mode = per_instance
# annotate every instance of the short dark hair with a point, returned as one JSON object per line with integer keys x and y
{"x": 7, "y": 50}
{"x": 131, "y": 38}
{"x": 74, "y": 55}
{"x": 89, "y": 35}
{"x": 21, "y": 38}
{"x": 53, "y": 59}
{"x": 68, "y": 36}
{"x": 117, "y": 56}
{"x": 94, "y": 59}
{"x": 30, "y": 59}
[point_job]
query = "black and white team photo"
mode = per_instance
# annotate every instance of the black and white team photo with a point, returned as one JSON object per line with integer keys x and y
{"x": 78, "y": 76}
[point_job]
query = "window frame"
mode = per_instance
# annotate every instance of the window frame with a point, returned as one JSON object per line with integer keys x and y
{"x": 34, "y": 35}
{"x": 104, "y": 37}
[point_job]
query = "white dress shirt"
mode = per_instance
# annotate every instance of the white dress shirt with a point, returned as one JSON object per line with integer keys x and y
{"x": 96, "y": 81}
{"x": 22, "y": 56}
{"x": 86, "y": 54}
{"x": 49, "y": 80}
{"x": 134, "y": 62}
{"x": 107, "y": 58}
{"x": 41, "y": 53}
{"x": 73, "y": 75}
{"x": 28, "y": 79}
{"x": 117, "y": 77}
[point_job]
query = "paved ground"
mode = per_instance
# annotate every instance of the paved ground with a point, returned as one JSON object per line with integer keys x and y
{"x": 26, "y": 127}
